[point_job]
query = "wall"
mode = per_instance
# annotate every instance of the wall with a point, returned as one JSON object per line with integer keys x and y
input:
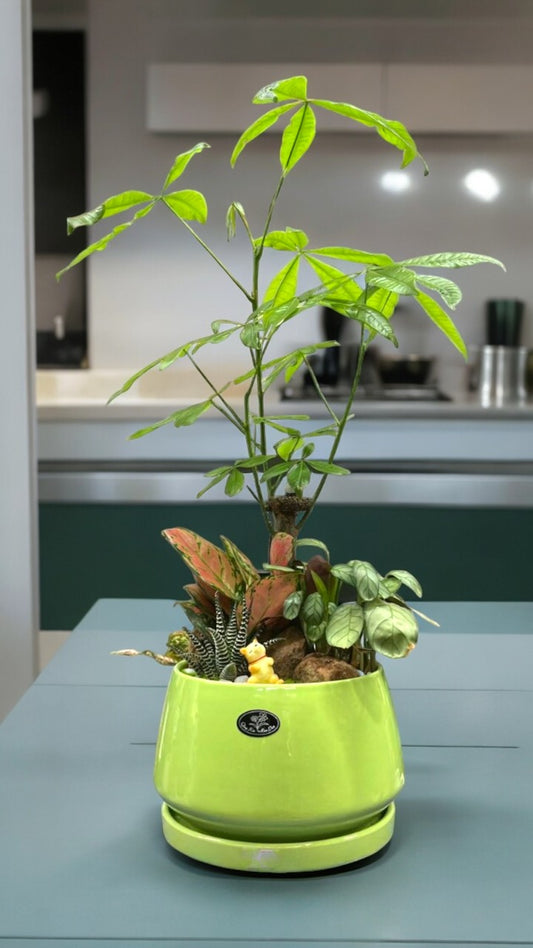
{"x": 154, "y": 288}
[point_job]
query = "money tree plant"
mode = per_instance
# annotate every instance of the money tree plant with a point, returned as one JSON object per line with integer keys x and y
{"x": 283, "y": 465}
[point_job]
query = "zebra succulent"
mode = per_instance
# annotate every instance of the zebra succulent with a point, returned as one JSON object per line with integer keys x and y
{"x": 215, "y": 652}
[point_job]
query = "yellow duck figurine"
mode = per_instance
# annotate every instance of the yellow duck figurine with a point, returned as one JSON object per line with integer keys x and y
{"x": 260, "y": 665}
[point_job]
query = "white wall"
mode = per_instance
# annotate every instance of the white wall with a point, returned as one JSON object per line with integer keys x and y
{"x": 18, "y": 596}
{"x": 153, "y": 288}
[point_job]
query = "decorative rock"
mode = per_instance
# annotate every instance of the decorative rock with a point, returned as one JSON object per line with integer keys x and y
{"x": 289, "y": 651}
{"x": 316, "y": 667}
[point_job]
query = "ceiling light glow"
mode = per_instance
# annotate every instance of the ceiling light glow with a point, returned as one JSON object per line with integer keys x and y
{"x": 395, "y": 181}
{"x": 482, "y": 184}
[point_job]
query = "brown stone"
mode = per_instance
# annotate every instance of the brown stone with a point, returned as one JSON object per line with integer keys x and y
{"x": 316, "y": 667}
{"x": 288, "y": 651}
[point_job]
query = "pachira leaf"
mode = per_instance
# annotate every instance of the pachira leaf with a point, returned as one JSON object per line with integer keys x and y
{"x": 391, "y": 131}
{"x": 187, "y": 205}
{"x": 338, "y": 283}
{"x": 288, "y": 239}
{"x": 355, "y": 256}
{"x": 277, "y": 470}
{"x": 450, "y": 260}
{"x": 180, "y": 419}
{"x": 382, "y": 300}
{"x": 292, "y": 605}
{"x": 104, "y": 241}
{"x": 215, "y": 478}
{"x": 265, "y": 600}
{"x": 115, "y": 204}
{"x": 367, "y": 579}
{"x": 396, "y": 279}
{"x": 325, "y": 467}
{"x": 450, "y": 292}
{"x": 297, "y": 138}
{"x": 205, "y": 560}
{"x": 283, "y": 286}
{"x": 407, "y": 579}
{"x": 234, "y": 483}
{"x": 286, "y": 448}
{"x": 299, "y": 477}
{"x": 281, "y": 549}
{"x": 289, "y": 363}
{"x": 181, "y": 161}
{"x": 345, "y": 625}
{"x": 390, "y": 628}
{"x": 258, "y": 127}
{"x": 250, "y": 335}
{"x": 248, "y": 464}
{"x": 442, "y": 321}
{"x": 293, "y": 88}
{"x": 370, "y": 318}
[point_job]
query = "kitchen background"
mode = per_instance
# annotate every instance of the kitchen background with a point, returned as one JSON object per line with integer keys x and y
{"x": 465, "y": 72}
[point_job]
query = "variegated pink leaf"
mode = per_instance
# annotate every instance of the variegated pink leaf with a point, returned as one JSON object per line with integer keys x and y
{"x": 281, "y": 549}
{"x": 205, "y": 560}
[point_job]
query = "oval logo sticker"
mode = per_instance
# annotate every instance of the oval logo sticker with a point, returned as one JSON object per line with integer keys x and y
{"x": 258, "y": 723}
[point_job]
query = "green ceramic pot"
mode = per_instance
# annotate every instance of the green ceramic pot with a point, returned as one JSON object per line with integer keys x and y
{"x": 283, "y": 765}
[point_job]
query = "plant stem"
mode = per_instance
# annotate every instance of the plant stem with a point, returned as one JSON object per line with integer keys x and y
{"x": 225, "y": 409}
{"x": 342, "y": 424}
{"x": 320, "y": 393}
{"x": 216, "y": 259}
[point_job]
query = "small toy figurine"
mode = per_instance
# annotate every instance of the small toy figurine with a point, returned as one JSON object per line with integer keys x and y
{"x": 260, "y": 665}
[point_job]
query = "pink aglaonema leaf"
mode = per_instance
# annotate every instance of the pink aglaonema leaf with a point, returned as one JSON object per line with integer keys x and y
{"x": 281, "y": 549}
{"x": 205, "y": 560}
{"x": 201, "y": 597}
{"x": 265, "y": 600}
{"x": 241, "y": 564}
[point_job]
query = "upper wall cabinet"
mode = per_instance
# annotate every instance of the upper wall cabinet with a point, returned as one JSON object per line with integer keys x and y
{"x": 215, "y": 97}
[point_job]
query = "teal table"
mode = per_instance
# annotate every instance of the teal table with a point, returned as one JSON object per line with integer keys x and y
{"x": 83, "y": 860}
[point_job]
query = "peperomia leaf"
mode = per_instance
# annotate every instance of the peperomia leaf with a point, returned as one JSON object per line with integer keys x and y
{"x": 390, "y": 628}
{"x": 345, "y": 625}
{"x": 181, "y": 161}
{"x": 113, "y": 205}
{"x": 297, "y": 138}
{"x": 391, "y": 131}
{"x": 442, "y": 320}
{"x": 450, "y": 259}
{"x": 188, "y": 205}
{"x": 104, "y": 241}
{"x": 257, "y": 128}
{"x": 293, "y": 88}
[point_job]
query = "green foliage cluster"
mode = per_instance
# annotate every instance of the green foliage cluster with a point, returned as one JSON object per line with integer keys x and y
{"x": 367, "y": 295}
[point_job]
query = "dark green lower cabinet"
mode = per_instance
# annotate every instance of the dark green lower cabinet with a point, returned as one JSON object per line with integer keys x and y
{"x": 91, "y": 551}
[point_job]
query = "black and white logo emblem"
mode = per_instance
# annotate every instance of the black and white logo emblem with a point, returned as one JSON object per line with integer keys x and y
{"x": 258, "y": 723}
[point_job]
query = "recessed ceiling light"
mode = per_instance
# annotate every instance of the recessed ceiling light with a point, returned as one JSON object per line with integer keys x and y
{"x": 395, "y": 181}
{"x": 482, "y": 184}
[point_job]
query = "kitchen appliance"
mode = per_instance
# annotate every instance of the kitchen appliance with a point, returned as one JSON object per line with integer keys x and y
{"x": 502, "y": 375}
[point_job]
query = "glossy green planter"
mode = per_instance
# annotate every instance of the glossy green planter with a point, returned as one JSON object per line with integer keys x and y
{"x": 278, "y": 778}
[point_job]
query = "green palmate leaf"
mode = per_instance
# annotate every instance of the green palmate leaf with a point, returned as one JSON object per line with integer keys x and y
{"x": 313, "y": 609}
{"x": 292, "y": 605}
{"x": 293, "y": 88}
{"x": 277, "y": 470}
{"x": 270, "y": 419}
{"x": 297, "y": 138}
{"x": 231, "y": 218}
{"x": 215, "y": 479}
{"x": 247, "y": 464}
{"x": 407, "y": 579}
{"x": 288, "y": 239}
{"x": 283, "y": 287}
{"x": 356, "y": 256}
{"x": 390, "y": 628}
{"x": 181, "y": 162}
{"x": 367, "y": 579}
{"x": 258, "y": 127}
{"x": 442, "y": 320}
{"x": 324, "y": 467}
{"x": 450, "y": 260}
{"x": 335, "y": 280}
{"x": 288, "y": 363}
{"x": 396, "y": 279}
{"x": 181, "y": 418}
{"x": 104, "y": 241}
{"x": 288, "y": 446}
{"x": 299, "y": 477}
{"x": 449, "y": 290}
{"x": 234, "y": 483}
{"x": 250, "y": 335}
{"x": 383, "y": 301}
{"x": 391, "y": 131}
{"x": 113, "y": 205}
{"x": 187, "y": 205}
{"x": 367, "y": 316}
{"x": 345, "y": 625}
{"x": 308, "y": 450}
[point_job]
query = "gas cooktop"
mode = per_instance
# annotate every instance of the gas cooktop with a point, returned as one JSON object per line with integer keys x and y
{"x": 377, "y": 393}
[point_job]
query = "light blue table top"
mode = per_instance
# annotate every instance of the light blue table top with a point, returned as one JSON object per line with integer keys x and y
{"x": 83, "y": 857}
